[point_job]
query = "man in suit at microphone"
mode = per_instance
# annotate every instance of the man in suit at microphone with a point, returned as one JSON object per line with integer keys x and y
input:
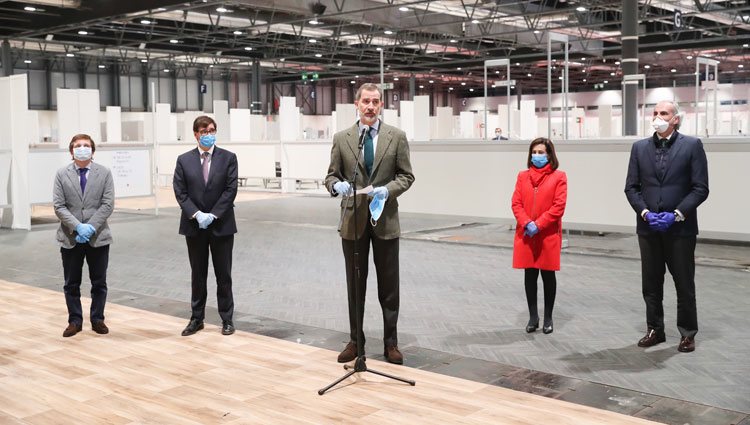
{"x": 205, "y": 185}
{"x": 385, "y": 165}
{"x": 667, "y": 180}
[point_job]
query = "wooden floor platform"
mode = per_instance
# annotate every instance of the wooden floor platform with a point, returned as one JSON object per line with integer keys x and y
{"x": 145, "y": 372}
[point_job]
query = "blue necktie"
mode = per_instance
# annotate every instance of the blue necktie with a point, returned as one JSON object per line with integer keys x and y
{"x": 369, "y": 153}
{"x": 82, "y": 172}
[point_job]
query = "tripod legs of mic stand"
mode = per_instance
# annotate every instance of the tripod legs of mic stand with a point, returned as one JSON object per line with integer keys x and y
{"x": 361, "y": 366}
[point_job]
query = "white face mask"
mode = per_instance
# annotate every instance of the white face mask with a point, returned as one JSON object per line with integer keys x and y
{"x": 660, "y": 125}
{"x": 82, "y": 153}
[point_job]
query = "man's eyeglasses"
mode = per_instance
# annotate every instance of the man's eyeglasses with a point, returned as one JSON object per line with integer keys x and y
{"x": 206, "y": 132}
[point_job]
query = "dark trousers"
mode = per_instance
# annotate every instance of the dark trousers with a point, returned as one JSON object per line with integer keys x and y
{"x": 550, "y": 291}
{"x": 677, "y": 253}
{"x": 97, "y": 260}
{"x": 385, "y": 256}
{"x": 221, "y": 256}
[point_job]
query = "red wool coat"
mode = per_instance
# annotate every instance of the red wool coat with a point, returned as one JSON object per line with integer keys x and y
{"x": 540, "y": 197}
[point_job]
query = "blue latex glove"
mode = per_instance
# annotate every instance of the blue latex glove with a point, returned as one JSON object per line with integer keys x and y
{"x": 668, "y": 218}
{"x": 204, "y": 220}
{"x": 380, "y": 192}
{"x": 342, "y": 188}
{"x": 90, "y": 229}
{"x": 651, "y": 217}
{"x": 81, "y": 239}
{"x": 81, "y": 229}
{"x": 531, "y": 229}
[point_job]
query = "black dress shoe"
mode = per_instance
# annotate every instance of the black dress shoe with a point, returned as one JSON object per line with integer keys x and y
{"x": 547, "y": 326}
{"x": 687, "y": 344}
{"x": 194, "y": 326}
{"x": 99, "y": 327}
{"x": 652, "y": 338}
{"x": 72, "y": 329}
{"x": 533, "y": 325}
{"x": 227, "y": 328}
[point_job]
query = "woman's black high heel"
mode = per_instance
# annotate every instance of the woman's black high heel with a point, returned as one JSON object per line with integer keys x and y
{"x": 547, "y": 326}
{"x": 533, "y": 325}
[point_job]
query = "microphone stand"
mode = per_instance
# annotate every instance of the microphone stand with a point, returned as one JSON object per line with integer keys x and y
{"x": 359, "y": 362}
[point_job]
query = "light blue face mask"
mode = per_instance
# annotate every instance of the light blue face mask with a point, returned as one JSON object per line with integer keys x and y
{"x": 376, "y": 209}
{"x": 82, "y": 153}
{"x": 208, "y": 140}
{"x": 539, "y": 159}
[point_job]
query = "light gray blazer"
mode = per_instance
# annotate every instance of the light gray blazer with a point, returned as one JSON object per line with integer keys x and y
{"x": 93, "y": 207}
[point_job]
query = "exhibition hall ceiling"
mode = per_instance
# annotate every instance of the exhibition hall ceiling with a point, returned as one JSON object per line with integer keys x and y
{"x": 442, "y": 42}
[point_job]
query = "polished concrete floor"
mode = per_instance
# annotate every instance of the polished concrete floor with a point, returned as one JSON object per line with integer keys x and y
{"x": 463, "y": 307}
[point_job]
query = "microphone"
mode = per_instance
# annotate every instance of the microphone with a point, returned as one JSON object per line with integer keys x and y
{"x": 364, "y": 131}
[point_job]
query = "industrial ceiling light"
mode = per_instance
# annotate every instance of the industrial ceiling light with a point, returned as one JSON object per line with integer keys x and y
{"x": 672, "y": 70}
{"x": 471, "y": 89}
{"x": 388, "y": 32}
{"x": 174, "y": 41}
{"x": 606, "y": 82}
{"x": 166, "y": 70}
{"x": 528, "y": 75}
{"x": 459, "y": 68}
{"x": 379, "y": 49}
{"x": 70, "y": 55}
{"x": 617, "y": 62}
{"x": 431, "y": 81}
{"x": 82, "y": 32}
{"x": 403, "y": 9}
{"x": 314, "y": 22}
{"x": 352, "y": 82}
{"x": 395, "y": 78}
{"x": 145, "y": 22}
{"x": 689, "y": 57}
{"x": 581, "y": 9}
{"x": 318, "y": 55}
{"x": 647, "y": 66}
{"x": 740, "y": 66}
{"x": 237, "y": 33}
{"x": 475, "y": 21}
{"x": 453, "y": 40}
{"x": 26, "y": 61}
{"x": 463, "y": 83}
{"x": 312, "y": 40}
{"x": 102, "y": 66}
{"x": 421, "y": 86}
{"x": 144, "y": 60}
{"x": 282, "y": 59}
{"x": 340, "y": 64}
{"x": 658, "y": 52}
{"x": 30, "y": 9}
{"x": 248, "y": 48}
{"x": 536, "y": 31}
{"x": 222, "y": 10}
{"x": 450, "y": 88}
{"x": 584, "y": 80}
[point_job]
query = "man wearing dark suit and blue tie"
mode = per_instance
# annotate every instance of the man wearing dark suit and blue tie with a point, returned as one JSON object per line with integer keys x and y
{"x": 667, "y": 180}
{"x": 384, "y": 165}
{"x": 84, "y": 198}
{"x": 205, "y": 185}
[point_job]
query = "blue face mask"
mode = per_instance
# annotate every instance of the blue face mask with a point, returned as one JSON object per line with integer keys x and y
{"x": 539, "y": 159}
{"x": 376, "y": 209}
{"x": 208, "y": 140}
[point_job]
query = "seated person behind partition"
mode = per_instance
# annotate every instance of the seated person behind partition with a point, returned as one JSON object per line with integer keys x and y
{"x": 499, "y": 134}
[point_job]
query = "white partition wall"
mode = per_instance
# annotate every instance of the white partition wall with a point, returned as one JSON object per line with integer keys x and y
{"x": 605, "y": 120}
{"x": 421, "y": 118}
{"x": 14, "y": 149}
{"x": 467, "y": 125}
{"x": 346, "y": 115}
{"x": 289, "y": 130}
{"x": 239, "y": 125}
{"x": 528, "y": 127}
{"x": 221, "y": 116}
{"x": 257, "y": 128}
{"x": 407, "y": 118}
{"x": 390, "y": 116}
{"x": 444, "y": 128}
{"x": 114, "y": 124}
{"x": 77, "y": 112}
{"x": 187, "y": 125}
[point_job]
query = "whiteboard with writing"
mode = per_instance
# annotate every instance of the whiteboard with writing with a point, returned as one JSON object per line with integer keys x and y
{"x": 131, "y": 171}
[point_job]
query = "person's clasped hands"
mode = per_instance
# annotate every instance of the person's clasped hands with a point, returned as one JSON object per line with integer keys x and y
{"x": 531, "y": 229}
{"x": 84, "y": 232}
{"x": 204, "y": 219}
{"x": 660, "y": 222}
{"x": 342, "y": 188}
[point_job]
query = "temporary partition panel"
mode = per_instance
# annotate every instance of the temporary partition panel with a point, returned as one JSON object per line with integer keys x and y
{"x": 77, "y": 112}
{"x": 239, "y": 125}
{"x": 14, "y": 148}
{"x": 114, "y": 124}
{"x": 221, "y": 116}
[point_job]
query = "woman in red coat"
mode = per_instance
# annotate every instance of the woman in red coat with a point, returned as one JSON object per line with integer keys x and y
{"x": 538, "y": 205}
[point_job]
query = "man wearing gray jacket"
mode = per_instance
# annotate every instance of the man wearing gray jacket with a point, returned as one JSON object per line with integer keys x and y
{"x": 84, "y": 198}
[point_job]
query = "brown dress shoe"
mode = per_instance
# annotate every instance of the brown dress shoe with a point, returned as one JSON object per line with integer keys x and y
{"x": 393, "y": 355}
{"x": 349, "y": 353}
{"x": 99, "y": 327}
{"x": 652, "y": 338}
{"x": 72, "y": 329}
{"x": 687, "y": 344}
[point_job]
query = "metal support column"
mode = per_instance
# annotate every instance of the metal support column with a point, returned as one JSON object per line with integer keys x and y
{"x": 630, "y": 66}
{"x": 256, "y": 107}
{"x": 412, "y": 88}
{"x": 199, "y": 76}
{"x": 6, "y": 58}
{"x": 114, "y": 84}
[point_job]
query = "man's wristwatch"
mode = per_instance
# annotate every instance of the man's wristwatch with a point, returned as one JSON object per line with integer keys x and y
{"x": 678, "y": 216}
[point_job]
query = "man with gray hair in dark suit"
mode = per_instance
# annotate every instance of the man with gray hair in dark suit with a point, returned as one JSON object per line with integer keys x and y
{"x": 84, "y": 198}
{"x": 667, "y": 180}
